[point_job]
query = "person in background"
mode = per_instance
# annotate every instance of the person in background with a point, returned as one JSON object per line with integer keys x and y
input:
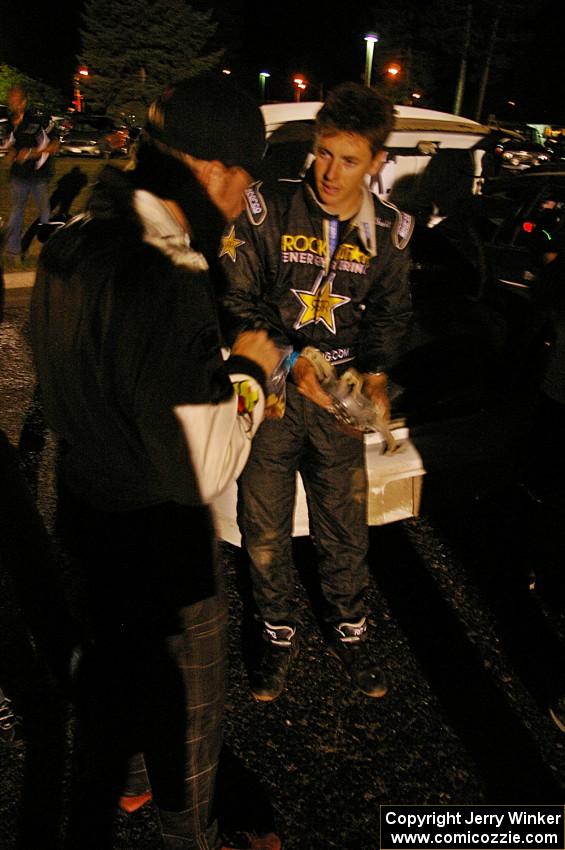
{"x": 319, "y": 262}
{"x": 153, "y": 423}
{"x": 31, "y": 142}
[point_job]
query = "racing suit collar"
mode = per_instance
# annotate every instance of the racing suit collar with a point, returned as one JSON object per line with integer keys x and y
{"x": 363, "y": 219}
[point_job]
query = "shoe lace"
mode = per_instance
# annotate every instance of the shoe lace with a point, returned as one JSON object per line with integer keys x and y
{"x": 7, "y": 717}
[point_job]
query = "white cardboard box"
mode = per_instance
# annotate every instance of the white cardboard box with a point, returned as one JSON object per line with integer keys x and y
{"x": 394, "y": 489}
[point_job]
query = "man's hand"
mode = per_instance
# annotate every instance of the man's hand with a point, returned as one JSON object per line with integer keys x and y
{"x": 24, "y": 154}
{"x": 34, "y": 154}
{"x": 375, "y": 387}
{"x": 304, "y": 376}
{"x": 258, "y": 346}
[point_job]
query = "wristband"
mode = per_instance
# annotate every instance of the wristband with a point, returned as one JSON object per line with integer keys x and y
{"x": 292, "y": 358}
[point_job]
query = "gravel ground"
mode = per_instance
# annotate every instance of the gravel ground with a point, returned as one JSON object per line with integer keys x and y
{"x": 466, "y": 624}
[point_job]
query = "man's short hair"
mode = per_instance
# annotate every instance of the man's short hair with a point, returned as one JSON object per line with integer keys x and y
{"x": 354, "y": 108}
{"x": 18, "y": 87}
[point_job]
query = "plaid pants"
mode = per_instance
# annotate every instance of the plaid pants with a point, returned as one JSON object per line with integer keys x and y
{"x": 151, "y": 679}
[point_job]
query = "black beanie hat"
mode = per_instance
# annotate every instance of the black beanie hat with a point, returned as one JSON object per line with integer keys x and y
{"x": 210, "y": 117}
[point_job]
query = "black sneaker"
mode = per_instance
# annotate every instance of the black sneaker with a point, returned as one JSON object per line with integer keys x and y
{"x": 350, "y": 647}
{"x": 10, "y": 724}
{"x": 268, "y": 678}
{"x": 557, "y": 712}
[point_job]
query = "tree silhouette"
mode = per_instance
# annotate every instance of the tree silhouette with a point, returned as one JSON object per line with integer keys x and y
{"x": 454, "y": 52}
{"x": 133, "y": 49}
{"x": 41, "y": 95}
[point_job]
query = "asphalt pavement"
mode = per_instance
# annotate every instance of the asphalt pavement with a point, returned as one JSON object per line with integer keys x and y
{"x": 468, "y": 621}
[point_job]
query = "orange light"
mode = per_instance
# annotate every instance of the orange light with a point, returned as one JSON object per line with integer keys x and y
{"x": 83, "y": 71}
{"x": 393, "y": 69}
{"x": 300, "y": 84}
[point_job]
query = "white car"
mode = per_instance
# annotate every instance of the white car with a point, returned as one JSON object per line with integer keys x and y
{"x": 417, "y": 136}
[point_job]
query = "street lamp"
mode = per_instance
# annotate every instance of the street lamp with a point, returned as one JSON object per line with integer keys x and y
{"x": 393, "y": 70}
{"x": 262, "y": 77}
{"x": 300, "y": 85}
{"x": 371, "y": 38}
{"x": 78, "y": 97}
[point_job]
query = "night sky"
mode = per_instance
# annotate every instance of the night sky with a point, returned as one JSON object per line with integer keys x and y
{"x": 293, "y": 37}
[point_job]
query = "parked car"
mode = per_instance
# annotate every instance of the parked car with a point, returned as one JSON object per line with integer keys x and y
{"x": 94, "y": 135}
{"x": 531, "y": 208}
{"x": 556, "y": 145}
{"x": 493, "y": 242}
{"x": 417, "y": 136}
{"x": 479, "y": 341}
{"x": 512, "y": 151}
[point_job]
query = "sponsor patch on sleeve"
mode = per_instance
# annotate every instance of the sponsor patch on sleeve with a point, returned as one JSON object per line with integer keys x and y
{"x": 230, "y": 244}
{"x": 247, "y": 396}
{"x": 402, "y": 230}
{"x": 255, "y": 204}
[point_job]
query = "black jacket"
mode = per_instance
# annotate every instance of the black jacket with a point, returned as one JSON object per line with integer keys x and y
{"x": 124, "y": 331}
{"x": 33, "y": 131}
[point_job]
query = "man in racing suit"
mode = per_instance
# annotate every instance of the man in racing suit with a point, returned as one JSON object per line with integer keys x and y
{"x": 319, "y": 262}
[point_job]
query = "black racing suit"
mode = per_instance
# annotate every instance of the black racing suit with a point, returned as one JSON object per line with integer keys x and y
{"x": 343, "y": 288}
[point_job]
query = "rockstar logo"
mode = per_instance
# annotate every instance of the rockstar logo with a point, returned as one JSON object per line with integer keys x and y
{"x": 357, "y": 256}
{"x": 319, "y": 305}
{"x": 230, "y": 244}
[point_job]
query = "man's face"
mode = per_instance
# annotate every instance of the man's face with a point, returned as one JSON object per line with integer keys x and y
{"x": 17, "y": 101}
{"x": 342, "y": 161}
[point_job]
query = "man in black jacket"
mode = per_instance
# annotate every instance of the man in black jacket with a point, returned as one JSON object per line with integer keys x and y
{"x": 153, "y": 423}
{"x": 31, "y": 142}
{"x": 319, "y": 262}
